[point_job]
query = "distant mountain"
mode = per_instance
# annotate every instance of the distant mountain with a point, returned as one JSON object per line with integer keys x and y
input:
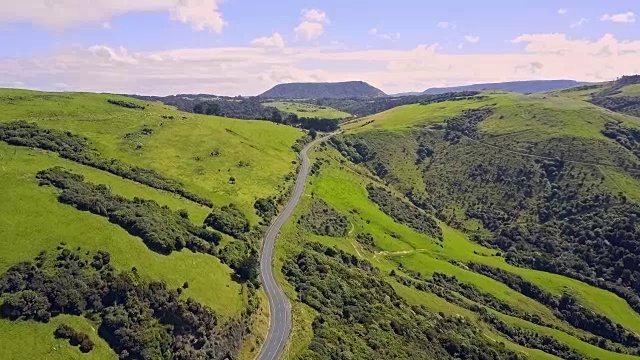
{"x": 338, "y": 90}
{"x": 515, "y": 86}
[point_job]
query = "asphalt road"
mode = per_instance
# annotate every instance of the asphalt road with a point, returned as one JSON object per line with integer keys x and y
{"x": 279, "y": 306}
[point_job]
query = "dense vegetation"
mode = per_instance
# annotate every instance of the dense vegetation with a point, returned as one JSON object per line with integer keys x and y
{"x": 228, "y": 219}
{"x": 139, "y": 319}
{"x": 364, "y": 107}
{"x": 349, "y": 89}
{"x": 125, "y": 104}
{"x": 404, "y": 212}
{"x": 566, "y": 308}
{"x": 237, "y": 108}
{"x": 613, "y": 99}
{"x": 322, "y": 219}
{"x": 75, "y": 338}
{"x": 76, "y": 148}
{"x": 625, "y": 136}
{"x": 360, "y": 316}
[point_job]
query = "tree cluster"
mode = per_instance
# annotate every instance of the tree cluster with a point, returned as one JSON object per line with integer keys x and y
{"x": 76, "y": 148}
{"x": 466, "y": 124}
{"x": 266, "y": 208}
{"x": 230, "y": 220}
{"x": 139, "y": 319}
{"x": 626, "y": 136}
{"x": 322, "y": 219}
{"x": 357, "y": 151}
{"x": 125, "y": 104}
{"x": 75, "y": 338}
{"x": 404, "y": 212}
{"x": 362, "y": 107}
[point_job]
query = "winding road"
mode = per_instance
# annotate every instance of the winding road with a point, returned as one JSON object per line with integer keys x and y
{"x": 279, "y": 306}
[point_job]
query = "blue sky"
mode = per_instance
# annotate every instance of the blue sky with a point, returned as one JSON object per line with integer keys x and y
{"x": 234, "y": 46}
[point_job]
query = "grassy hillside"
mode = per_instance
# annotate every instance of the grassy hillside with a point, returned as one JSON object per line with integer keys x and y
{"x": 308, "y": 110}
{"x": 496, "y": 173}
{"x": 622, "y": 95}
{"x": 201, "y": 153}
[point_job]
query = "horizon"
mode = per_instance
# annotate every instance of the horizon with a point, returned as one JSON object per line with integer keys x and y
{"x": 230, "y": 48}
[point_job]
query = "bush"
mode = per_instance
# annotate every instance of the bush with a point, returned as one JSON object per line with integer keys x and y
{"x": 230, "y": 220}
{"x": 404, "y": 212}
{"x": 321, "y": 219}
{"x": 75, "y": 338}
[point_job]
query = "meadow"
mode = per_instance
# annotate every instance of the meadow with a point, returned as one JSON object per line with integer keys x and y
{"x": 308, "y": 110}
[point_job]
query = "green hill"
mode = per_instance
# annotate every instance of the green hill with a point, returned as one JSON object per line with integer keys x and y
{"x": 308, "y": 110}
{"x": 537, "y": 205}
{"x": 149, "y": 175}
{"x": 338, "y": 90}
{"x": 622, "y": 95}
{"x": 523, "y": 87}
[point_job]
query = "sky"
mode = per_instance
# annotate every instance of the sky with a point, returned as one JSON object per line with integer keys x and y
{"x": 244, "y": 47}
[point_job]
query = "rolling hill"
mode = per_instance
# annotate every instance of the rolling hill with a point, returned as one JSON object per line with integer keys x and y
{"x": 471, "y": 225}
{"x": 509, "y": 212}
{"x": 524, "y": 87}
{"x": 338, "y": 90}
{"x": 108, "y": 187}
{"x": 622, "y": 95}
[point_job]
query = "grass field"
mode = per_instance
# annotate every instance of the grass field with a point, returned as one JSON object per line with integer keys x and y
{"x": 201, "y": 152}
{"x": 308, "y": 110}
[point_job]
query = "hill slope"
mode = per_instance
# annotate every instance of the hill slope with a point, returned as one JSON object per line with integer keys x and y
{"x": 523, "y": 87}
{"x": 622, "y": 95}
{"x": 115, "y": 188}
{"x": 338, "y": 90}
{"x": 507, "y": 211}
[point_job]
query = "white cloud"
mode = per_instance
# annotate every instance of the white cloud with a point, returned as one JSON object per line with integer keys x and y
{"x": 315, "y": 15}
{"x": 274, "y": 40}
{"x": 562, "y": 11}
{"x": 60, "y": 14}
{"x": 384, "y": 36}
{"x": 472, "y": 38}
{"x": 579, "y": 23}
{"x": 251, "y": 70}
{"x": 312, "y": 24}
{"x": 106, "y": 25}
{"x": 446, "y": 25}
{"x": 627, "y": 17}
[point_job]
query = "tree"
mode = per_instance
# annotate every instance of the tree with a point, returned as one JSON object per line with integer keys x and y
{"x": 212, "y": 108}
{"x": 276, "y": 117}
{"x": 313, "y": 134}
{"x": 198, "y": 108}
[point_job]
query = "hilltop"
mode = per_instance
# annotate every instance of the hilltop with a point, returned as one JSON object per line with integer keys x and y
{"x": 524, "y": 87}
{"x": 337, "y": 90}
